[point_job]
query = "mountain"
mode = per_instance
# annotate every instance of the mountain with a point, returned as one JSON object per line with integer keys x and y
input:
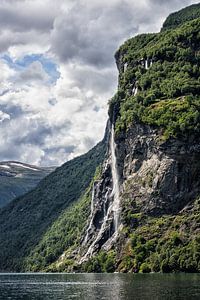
{"x": 132, "y": 203}
{"x": 25, "y": 220}
{"x": 180, "y": 17}
{"x": 17, "y": 178}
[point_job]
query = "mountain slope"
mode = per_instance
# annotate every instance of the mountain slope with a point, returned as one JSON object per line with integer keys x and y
{"x": 26, "y": 219}
{"x": 184, "y": 15}
{"x": 18, "y": 178}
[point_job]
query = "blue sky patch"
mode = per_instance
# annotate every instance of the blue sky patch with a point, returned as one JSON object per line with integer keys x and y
{"x": 48, "y": 65}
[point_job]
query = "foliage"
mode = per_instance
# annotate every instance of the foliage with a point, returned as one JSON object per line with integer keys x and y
{"x": 164, "y": 244}
{"x": 64, "y": 235}
{"x": 102, "y": 262}
{"x": 178, "y": 18}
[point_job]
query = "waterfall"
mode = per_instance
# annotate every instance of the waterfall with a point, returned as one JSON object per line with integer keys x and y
{"x": 114, "y": 206}
{"x": 92, "y": 201}
{"x": 91, "y": 213}
{"x": 146, "y": 64}
{"x": 125, "y": 67}
{"x": 115, "y": 179}
{"x": 135, "y": 91}
{"x": 100, "y": 233}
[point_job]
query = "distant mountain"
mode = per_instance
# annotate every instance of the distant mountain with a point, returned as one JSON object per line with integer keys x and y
{"x": 17, "y": 178}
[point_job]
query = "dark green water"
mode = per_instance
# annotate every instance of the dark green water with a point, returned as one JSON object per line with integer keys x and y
{"x": 99, "y": 286}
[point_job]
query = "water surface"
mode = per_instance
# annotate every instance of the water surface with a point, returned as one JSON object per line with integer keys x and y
{"x": 99, "y": 286}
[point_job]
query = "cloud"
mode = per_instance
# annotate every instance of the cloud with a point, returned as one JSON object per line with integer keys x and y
{"x": 84, "y": 37}
{"x": 4, "y": 116}
{"x": 33, "y": 73}
{"x": 59, "y": 71}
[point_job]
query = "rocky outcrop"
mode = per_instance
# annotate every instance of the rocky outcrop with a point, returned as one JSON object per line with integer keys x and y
{"x": 159, "y": 177}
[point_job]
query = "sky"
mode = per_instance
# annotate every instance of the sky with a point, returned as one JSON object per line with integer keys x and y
{"x": 57, "y": 71}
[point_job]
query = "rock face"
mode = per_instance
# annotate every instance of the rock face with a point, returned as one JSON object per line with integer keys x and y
{"x": 161, "y": 178}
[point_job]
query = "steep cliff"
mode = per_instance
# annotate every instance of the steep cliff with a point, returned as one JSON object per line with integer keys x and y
{"x": 145, "y": 207}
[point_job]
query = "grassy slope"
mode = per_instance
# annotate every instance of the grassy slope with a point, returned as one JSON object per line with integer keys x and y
{"x": 24, "y": 221}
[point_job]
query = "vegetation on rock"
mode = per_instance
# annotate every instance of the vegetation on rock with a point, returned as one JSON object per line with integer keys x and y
{"x": 169, "y": 86}
{"x": 178, "y": 18}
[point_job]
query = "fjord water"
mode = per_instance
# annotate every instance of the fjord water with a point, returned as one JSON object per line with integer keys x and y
{"x": 99, "y": 286}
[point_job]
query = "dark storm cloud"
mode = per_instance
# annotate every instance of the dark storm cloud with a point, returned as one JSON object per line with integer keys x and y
{"x": 36, "y": 136}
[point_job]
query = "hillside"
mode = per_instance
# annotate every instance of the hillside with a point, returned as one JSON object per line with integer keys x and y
{"x": 131, "y": 204}
{"x": 18, "y": 178}
{"x": 180, "y": 17}
{"x": 25, "y": 220}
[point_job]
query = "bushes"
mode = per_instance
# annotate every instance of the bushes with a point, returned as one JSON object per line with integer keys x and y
{"x": 103, "y": 262}
{"x": 165, "y": 244}
{"x": 176, "y": 19}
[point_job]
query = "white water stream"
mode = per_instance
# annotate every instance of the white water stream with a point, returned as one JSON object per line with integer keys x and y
{"x": 91, "y": 213}
{"x": 113, "y": 207}
{"x": 115, "y": 179}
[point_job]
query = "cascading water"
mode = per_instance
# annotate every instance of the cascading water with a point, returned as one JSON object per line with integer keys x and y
{"x": 146, "y": 64}
{"x": 92, "y": 201}
{"x": 113, "y": 208}
{"x": 125, "y": 67}
{"x": 99, "y": 235}
{"x": 135, "y": 91}
{"x": 115, "y": 179}
{"x": 91, "y": 212}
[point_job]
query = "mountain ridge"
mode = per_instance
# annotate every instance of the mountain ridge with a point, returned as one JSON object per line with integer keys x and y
{"x": 18, "y": 178}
